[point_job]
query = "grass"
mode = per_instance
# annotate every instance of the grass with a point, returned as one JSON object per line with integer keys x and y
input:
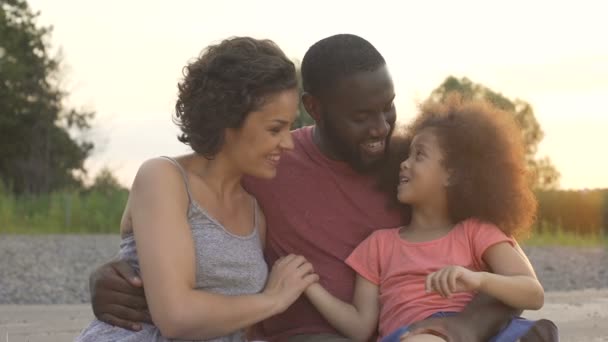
{"x": 100, "y": 212}
{"x": 62, "y": 212}
{"x": 560, "y": 237}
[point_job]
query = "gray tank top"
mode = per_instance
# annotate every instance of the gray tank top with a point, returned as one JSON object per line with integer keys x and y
{"x": 226, "y": 263}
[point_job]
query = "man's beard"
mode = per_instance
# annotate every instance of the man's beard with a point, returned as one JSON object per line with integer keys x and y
{"x": 351, "y": 154}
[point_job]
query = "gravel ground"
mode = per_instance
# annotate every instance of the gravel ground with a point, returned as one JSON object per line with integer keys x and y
{"x": 54, "y": 269}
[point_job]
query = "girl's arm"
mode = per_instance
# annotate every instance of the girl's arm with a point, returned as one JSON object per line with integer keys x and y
{"x": 167, "y": 258}
{"x": 512, "y": 282}
{"x": 357, "y": 321}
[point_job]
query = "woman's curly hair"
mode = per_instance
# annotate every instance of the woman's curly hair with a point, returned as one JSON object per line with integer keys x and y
{"x": 228, "y": 81}
{"x": 484, "y": 153}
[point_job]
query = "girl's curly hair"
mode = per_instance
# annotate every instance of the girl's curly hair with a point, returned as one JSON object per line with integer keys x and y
{"x": 228, "y": 81}
{"x": 483, "y": 151}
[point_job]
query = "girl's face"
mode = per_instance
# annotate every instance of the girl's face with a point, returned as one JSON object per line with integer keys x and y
{"x": 423, "y": 178}
{"x": 257, "y": 146}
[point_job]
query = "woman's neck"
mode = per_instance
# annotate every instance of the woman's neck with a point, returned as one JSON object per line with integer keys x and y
{"x": 219, "y": 174}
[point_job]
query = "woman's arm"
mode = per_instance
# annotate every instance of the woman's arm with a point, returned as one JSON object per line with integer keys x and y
{"x": 512, "y": 281}
{"x": 167, "y": 258}
{"x": 357, "y": 321}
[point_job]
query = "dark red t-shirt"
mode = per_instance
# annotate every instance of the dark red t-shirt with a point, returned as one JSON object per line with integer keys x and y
{"x": 321, "y": 209}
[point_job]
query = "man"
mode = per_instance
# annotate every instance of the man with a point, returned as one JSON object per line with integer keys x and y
{"x": 324, "y": 200}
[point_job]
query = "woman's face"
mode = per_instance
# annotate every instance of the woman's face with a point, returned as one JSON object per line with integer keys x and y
{"x": 256, "y": 147}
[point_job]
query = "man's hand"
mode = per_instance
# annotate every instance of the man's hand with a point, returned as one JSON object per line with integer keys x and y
{"x": 117, "y": 296}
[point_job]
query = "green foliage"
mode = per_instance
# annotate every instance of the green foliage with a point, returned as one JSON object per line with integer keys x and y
{"x": 544, "y": 174}
{"x": 37, "y": 151}
{"x": 96, "y": 209}
{"x": 605, "y": 215}
{"x": 577, "y": 212}
{"x": 559, "y": 237}
{"x": 105, "y": 182}
{"x": 62, "y": 212}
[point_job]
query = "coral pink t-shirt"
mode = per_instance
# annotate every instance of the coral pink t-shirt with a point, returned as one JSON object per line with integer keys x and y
{"x": 321, "y": 209}
{"x": 400, "y": 269}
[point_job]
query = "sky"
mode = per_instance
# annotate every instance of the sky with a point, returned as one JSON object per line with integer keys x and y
{"x": 123, "y": 60}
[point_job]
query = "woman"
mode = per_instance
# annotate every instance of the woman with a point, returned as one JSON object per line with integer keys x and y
{"x": 190, "y": 228}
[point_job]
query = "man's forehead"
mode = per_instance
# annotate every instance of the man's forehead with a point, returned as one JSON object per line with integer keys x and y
{"x": 366, "y": 86}
{"x": 372, "y": 79}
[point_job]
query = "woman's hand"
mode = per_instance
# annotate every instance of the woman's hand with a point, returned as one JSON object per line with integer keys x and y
{"x": 289, "y": 277}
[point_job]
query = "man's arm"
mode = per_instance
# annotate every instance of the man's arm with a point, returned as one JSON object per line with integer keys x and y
{"x": 117, "y": 296}
{"x": 481, "y": 319}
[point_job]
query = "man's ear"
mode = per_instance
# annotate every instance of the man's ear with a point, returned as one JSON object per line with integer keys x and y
{"x": 450, "y": 178}
{"x": 312, "y": 106}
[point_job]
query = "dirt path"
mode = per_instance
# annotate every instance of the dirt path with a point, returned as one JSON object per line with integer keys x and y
{"x": 581, "y": 316}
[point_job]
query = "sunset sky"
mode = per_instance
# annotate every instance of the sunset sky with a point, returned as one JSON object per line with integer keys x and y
{"x": 123, "y": 60}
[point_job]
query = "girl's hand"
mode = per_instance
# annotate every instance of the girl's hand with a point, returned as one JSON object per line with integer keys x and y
{"x": 453, "y": 279}
{"x": 289, "y": 277}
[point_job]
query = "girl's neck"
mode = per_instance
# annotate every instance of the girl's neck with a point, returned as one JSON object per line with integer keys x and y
{"x": 427, "y": 223}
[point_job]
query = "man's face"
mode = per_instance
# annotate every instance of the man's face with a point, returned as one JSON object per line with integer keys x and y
{"x": 358, "y": 116}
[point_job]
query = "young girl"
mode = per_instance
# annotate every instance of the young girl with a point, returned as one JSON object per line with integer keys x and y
{"x": 466, "y": 185}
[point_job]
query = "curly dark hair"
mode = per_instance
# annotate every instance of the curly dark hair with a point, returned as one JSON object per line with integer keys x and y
{"x": 228, "y": 81}
{"x": 336, "y": 57}
{"x": 484, "y": 152}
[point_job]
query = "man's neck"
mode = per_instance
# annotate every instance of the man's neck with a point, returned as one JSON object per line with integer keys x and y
{"x": 322, "y": 144}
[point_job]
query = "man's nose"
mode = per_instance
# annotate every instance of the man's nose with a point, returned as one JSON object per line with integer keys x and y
{"x": 379, "y": 127}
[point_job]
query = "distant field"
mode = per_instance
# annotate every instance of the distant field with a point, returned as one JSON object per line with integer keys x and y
{"x": 100, "y": 212}
{"x": 62, "y": 212}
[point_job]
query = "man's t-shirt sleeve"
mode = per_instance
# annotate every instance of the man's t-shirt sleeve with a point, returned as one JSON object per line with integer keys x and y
{"x": 365, "y": 259}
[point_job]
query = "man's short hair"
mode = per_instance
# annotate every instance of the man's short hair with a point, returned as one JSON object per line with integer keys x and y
{"x": 334, "y": 58}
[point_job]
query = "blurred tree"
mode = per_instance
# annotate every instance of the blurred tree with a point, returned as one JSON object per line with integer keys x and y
{"x": 544, "y": 174}
{"x": 605, "y": 213}
{"x": 37, "y": 152}
{"x": 105, "y": 182}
